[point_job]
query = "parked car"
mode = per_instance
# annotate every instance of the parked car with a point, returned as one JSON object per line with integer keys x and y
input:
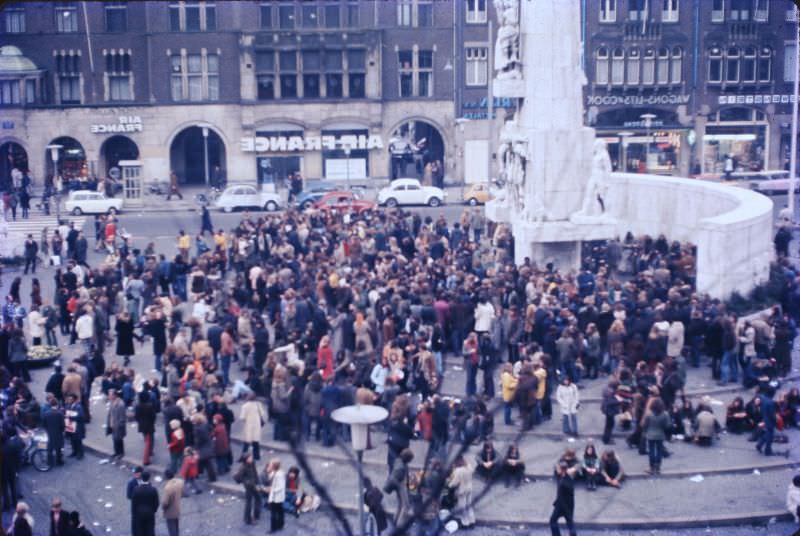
{"x": 240, "y": 196}
{"x": 313, "y": 192}
{"x": 343, "y": 201}
{"x": 410, "y": 192}
{"x": 774, "y": 183}
{"x": 89, "y": 202}
{"x": 476, "y": 194}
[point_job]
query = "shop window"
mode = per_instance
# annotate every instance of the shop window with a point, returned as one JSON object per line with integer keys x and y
{"x": 740, "y": 9}
{"x": 715, "y": 65}
{"x": 717, "y": 10}
{"x": 789, "y": 63}
{"x": 265, "y": 13}
{"x": 286, "y": 16}
{"x": 476, "y": 11}
{"x": 195, "y": 77}
{"x": 356, "y": 69}
{"x": 633, "y": 67}
{"x": 118, "y": 75}
{"x": 761, "y": 10}
{"x": 338, "y": 164}
{"x": 765, "y": 64}
{"x": 601, "y": 66}
{"x": 618, "y": 67}
{"x": 732, "y": 65}
{"x": 676, "y": 66}
{"x": 66, "y": 17}
{"x": 749, "y": 65}
{"x": 310, "y": 17}
{"x": 192, "y": 16}
{"x": 649, "y": 67}
{"x": 608, "y": 10}
{"x": 477, "y": 65}
{"x": 637, "y": 10}
{"x": 69, "y": 77}
{"x": 116, "y": 16}
{"x": 669, "y": 11}
{"x": 353, "y": 19}
{"x": 332, "y": 15}
{"x": 14, "y": 20}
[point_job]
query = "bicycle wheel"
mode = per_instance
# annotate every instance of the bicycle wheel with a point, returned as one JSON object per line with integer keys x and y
{"x": 39, "y": 460}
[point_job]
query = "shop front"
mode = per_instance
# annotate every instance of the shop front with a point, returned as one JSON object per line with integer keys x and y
{"x": 741, "y": 133}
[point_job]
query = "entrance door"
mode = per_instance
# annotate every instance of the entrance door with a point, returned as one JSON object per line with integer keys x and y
{"x": 276, "y": 169}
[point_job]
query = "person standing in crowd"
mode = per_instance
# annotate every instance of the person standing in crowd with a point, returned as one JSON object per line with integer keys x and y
{"x": 564, "y": 505}
{"x": 253, "y": 417}
{"x": 144, "y": 505}
{"x": 568, "y": 398}
{"x": 276, "y": 494}
{"x": 656, "y": 430}
{"x": 174, "y": 188}
{"x": 171, "y": 502}
{"x": 247, "y": 476}
{"x": 53, "y": 423}
{"x": 145, "y": 416}
{"x": 59, "y": 520}
{"x": 31, "y": 252}
{"x": 117, "y": 423}
{"x": 74, "y": 424}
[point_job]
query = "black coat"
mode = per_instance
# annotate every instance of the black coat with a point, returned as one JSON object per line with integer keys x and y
{"x": 202, "y": 441}
{"x": 124, "y": 329}
{"x": 144, "y": 501}
{"x": 145, "y": 414}
{"x": 54, "y": 385}
{"x": 53, "y": 424}
{"x": 157, "y": 328}
{"x": 61, "y": 528}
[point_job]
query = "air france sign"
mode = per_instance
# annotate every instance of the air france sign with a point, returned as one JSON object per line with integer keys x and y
{"x": 125, "y": 123}
{"x": 266, "y": 144}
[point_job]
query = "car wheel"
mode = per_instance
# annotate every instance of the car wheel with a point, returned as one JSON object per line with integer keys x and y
{"x": 472, "y": 202}
{"x": 112, "y": 211}
{"x": 271, "y": 206}
{"x": 434, "y": 202}
{"x": 391, "y": 202}
{"x": 306, "y": 205}
{"x": 227, "y": 209}
{"x": 77, "y": 211}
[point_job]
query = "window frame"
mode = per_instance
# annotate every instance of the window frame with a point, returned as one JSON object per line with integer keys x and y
{"x": 474, "y": 14}
{"x": 64, "y": 11}
{"x": 602, "y": 64}
{"x": 633, "y": 64}
{"x": 649, "y": 67}
{"x": 206, "y": 11}
{"x": 185, "y": 77}
{"x": 118, "y": 7}
{"x": 749, "y": 61}
{"x": 715, "y": 56}
{"x": 266, "y": 7}
{"x": 607, "y": 12}
{"x": 670, "y": 11}
{"x": 476, "y": 65}
{"x": 765, "y": 54}
{"x": 14, "y": 20}
{"x": 618, "y": 66}
{"x": 118, "y": 72}
{"x": 733, "y": 59}
{"x": 761, "y": 10}
{"x": 676, "y": 65}
{"x": 718, "y": 15}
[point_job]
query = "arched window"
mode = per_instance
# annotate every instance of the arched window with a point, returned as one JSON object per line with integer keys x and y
{"x": 601, "y": 66}
{"x": 618, "y": 67}
{"x": 765, "y": 64}
{"x": 715, "y": 65}
{"x": 732, "y": 64}
{"x": 633, "y": 66}
{"x": 749, "y": 65}
{"x": 649, "y": 66}
{"x": 663, "y": 65}
{"x": 676, "y": 67}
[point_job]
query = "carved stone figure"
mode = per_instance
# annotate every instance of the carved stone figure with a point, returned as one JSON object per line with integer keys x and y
{"x": 506, "y": 52}
{"x": 594, "y": 204}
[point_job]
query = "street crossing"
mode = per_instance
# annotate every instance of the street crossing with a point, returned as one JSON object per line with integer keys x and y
{"x": 21, "y": 228}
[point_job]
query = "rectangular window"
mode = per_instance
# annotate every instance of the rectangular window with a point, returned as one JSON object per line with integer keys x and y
{"x": 669, "y": 11}
{"x": 356, "y": 67}
{"x": 69, "y": 78}
{"x": 212, "y": 80}
{"x": 333, "y": 60}
{"x": 30, "y": 91}
{"x": 66, "y": 17}
{"x": 9, "y": 92}
{"x": 310, "y": 16}
{"x": 749, "y": 68}
{"x": 332, "y": 15}
{"x": 288, "y": 60}
{"x": 175, "y": 18}
{"x": 311, "y": 86}
{"x": 761, "y": 11}
{"x": 333, "y": 85}
{"x": 353, "y": 20}
{"x": 357, "y": 85}
{"x": 176, "y": 83}
{"x": 633, "y": 67}
{"x": 211, "y": 18}
{"x": 289, "y": 86}
{"x": 288, "y": 78}
{"x": 192, "y": 16}
{"x": 789, "y": 65}
{"x": 118, "y": 70}
{"x": 636, "y": 10}
{"x": 266, "y": 86}
{"x": 311, "y": 67}
{"x": 601, "y": 69}
{"x": 717, "y": 10}
{"x": 608, "y": 10}
{"x": 311, "y": 60}
{"x": 649, "y": 67}
{"x": 425, "y": 73}
{"x": 663, "y": 69}
{"x": 15, "y": 20}
{"x": 265, "y": 61}
{"x": 356, "y": 59}
{"x": 406, "y": 73}
{"x": 194, "y": 70}
{"x": 477, "y": 66}
{"x": 476, "y": 11}
{"x": 618, "y": 69}
{"x": 424, "y": 14}
{"x": 732, "y": 69}
{"x": 765, "y": 67}
{"x": 265, "y": 74}
{"x": 286, "y": 16}
{"x": 195, "y": 77}
{"x": 676, "y": 76}
{"x": 266, "y": 16}
{"x": 740, "y": 9}
{"x": 116, "y": 16}
{"x": 715, "y": 69}
{"x": 405, "y": 9}
{"x": 406, "y": 84}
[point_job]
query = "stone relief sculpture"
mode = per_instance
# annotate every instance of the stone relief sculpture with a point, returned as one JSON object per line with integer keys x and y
{"x": 506, "y": 52}
{"x": 594, "y": 198}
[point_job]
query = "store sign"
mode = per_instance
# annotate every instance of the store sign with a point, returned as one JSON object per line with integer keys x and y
{"x": 643, "y": 124}
{"x": 635, "y": 100}
{"x": 8, "y": 125}
{"x": 263, "y": 144}
{"x": 756, "y": 99}
{"x": 483, "y": 104}
{"x": 125, "y": 123}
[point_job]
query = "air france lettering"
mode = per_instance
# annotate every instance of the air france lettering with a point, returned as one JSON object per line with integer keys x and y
{"x": 263, "y": 144}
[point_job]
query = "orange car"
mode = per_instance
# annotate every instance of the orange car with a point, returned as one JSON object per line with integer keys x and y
{"x": 476, "y": 194}
{"x": 343, "y": 201}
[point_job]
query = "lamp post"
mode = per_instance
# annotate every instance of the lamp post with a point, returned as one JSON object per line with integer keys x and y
{"x": 359, "y": 417}
{"x": 54, "y": 148}
{"x": 648, "y": 122}
{"x": 347, "y": 150}
{"x": 623, "y": 149}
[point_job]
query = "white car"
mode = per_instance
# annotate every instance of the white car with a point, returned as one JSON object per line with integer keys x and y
{"x": 90, "y": 202}
{"x": 240, "y": 196}
{"x": 410, "y": 192}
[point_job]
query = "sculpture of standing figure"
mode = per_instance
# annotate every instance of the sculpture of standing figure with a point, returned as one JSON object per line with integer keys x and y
{"x": 506, "y": 54}
{"x": 594, "y": 203}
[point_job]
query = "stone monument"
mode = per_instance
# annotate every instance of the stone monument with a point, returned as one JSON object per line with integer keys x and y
{"x": 552, "y": 173}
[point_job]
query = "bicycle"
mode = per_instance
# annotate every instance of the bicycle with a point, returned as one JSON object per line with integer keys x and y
{"x": 35, "y": 451}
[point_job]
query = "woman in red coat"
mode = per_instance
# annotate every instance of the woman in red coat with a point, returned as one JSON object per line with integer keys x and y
{"x": 325, "y": 358}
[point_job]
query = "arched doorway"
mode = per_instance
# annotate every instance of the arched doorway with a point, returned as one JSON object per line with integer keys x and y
{"x": 12, "y": 156}
{"x": 71, "y": 159}
{"x": 117, "y": 148}
{"x": 190, "y": 150}
{"x": 413, "y": 146}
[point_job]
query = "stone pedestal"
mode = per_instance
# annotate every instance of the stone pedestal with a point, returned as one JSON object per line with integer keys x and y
{"x": 558, "y": 242}
{"x": 512, "y": 88}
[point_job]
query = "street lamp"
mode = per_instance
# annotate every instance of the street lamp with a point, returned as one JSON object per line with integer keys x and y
{"x": 623, "y": 149}
{"x": 205, "y": 151}
{"x": 648, "y": 122}
{"x": 54, "y": 148}
{"x": 347, "y": 150}
{"x": 359, "y": 417}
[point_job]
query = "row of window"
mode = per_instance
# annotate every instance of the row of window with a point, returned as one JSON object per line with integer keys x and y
{"x": 311, "y": 74}
{"x": 638, "y": 10}
{"x": 632, "y": 67}
{"x": 734, "y": 65}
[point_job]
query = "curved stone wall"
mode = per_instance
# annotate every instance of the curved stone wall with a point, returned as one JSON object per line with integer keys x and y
{"x": 731, "y": 226}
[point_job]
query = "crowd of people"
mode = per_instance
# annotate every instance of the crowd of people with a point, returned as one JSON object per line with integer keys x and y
{"x": 321, "y": 310}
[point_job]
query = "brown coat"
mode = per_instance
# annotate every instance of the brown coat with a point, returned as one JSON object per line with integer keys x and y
{"x": 71, "y": 385}
{"x": 171, "y": 498}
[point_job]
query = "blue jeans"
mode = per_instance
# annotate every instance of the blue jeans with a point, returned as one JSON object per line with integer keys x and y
{"x": 569, "y": 424}
{"x": 507, "y": 412}
{"x": 696, "y": 343}
{"x": 655, "y": 451}
{"x": 472, "y": 375}
{"x": 307, "y": 420}
{"x": 765, "y": 440}
{"x": 729, "y": 368}
{"x": 225, "y": 361}
{"x": 437, "y": 356}
{"x": 157, "y": 362}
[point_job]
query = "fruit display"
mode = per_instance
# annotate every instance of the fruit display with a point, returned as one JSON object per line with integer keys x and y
{"x": 40, "y": 356}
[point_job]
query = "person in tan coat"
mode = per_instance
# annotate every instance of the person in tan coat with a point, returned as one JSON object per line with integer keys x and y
{"x": 171, "y": 501}
{"x": 72, "y": 383}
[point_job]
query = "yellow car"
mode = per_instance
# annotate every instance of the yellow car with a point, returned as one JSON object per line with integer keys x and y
{"x": 476, "y": 194}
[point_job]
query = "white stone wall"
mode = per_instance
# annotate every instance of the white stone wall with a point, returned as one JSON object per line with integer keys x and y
{"x": 731, "y": 226}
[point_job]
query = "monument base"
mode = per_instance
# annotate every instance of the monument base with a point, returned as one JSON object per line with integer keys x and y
{"x": 558, "y": 242}
{"x": 513, "y": 88}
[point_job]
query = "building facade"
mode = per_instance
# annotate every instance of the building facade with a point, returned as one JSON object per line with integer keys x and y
{"x": 251, "y": 91}
{"x": 676, "y": 86}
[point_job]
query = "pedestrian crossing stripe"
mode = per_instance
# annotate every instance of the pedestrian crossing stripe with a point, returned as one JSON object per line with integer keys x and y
{"x": 22, "y": 228}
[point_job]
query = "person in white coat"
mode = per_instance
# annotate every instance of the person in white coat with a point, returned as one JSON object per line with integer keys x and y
{"x": 484, "y": 315}
{"x": 793, "y": 498}
{"x": 254, "y": 417}
{"x": 36, "y": 324}
{"x": 461, "y": 480}
{"x": 568, "y": 398}
{"x": 675, "y": 339}
{"x": 277, "y": 494}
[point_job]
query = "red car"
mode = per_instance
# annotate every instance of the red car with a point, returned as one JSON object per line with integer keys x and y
{"x": 343, "y": 201}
